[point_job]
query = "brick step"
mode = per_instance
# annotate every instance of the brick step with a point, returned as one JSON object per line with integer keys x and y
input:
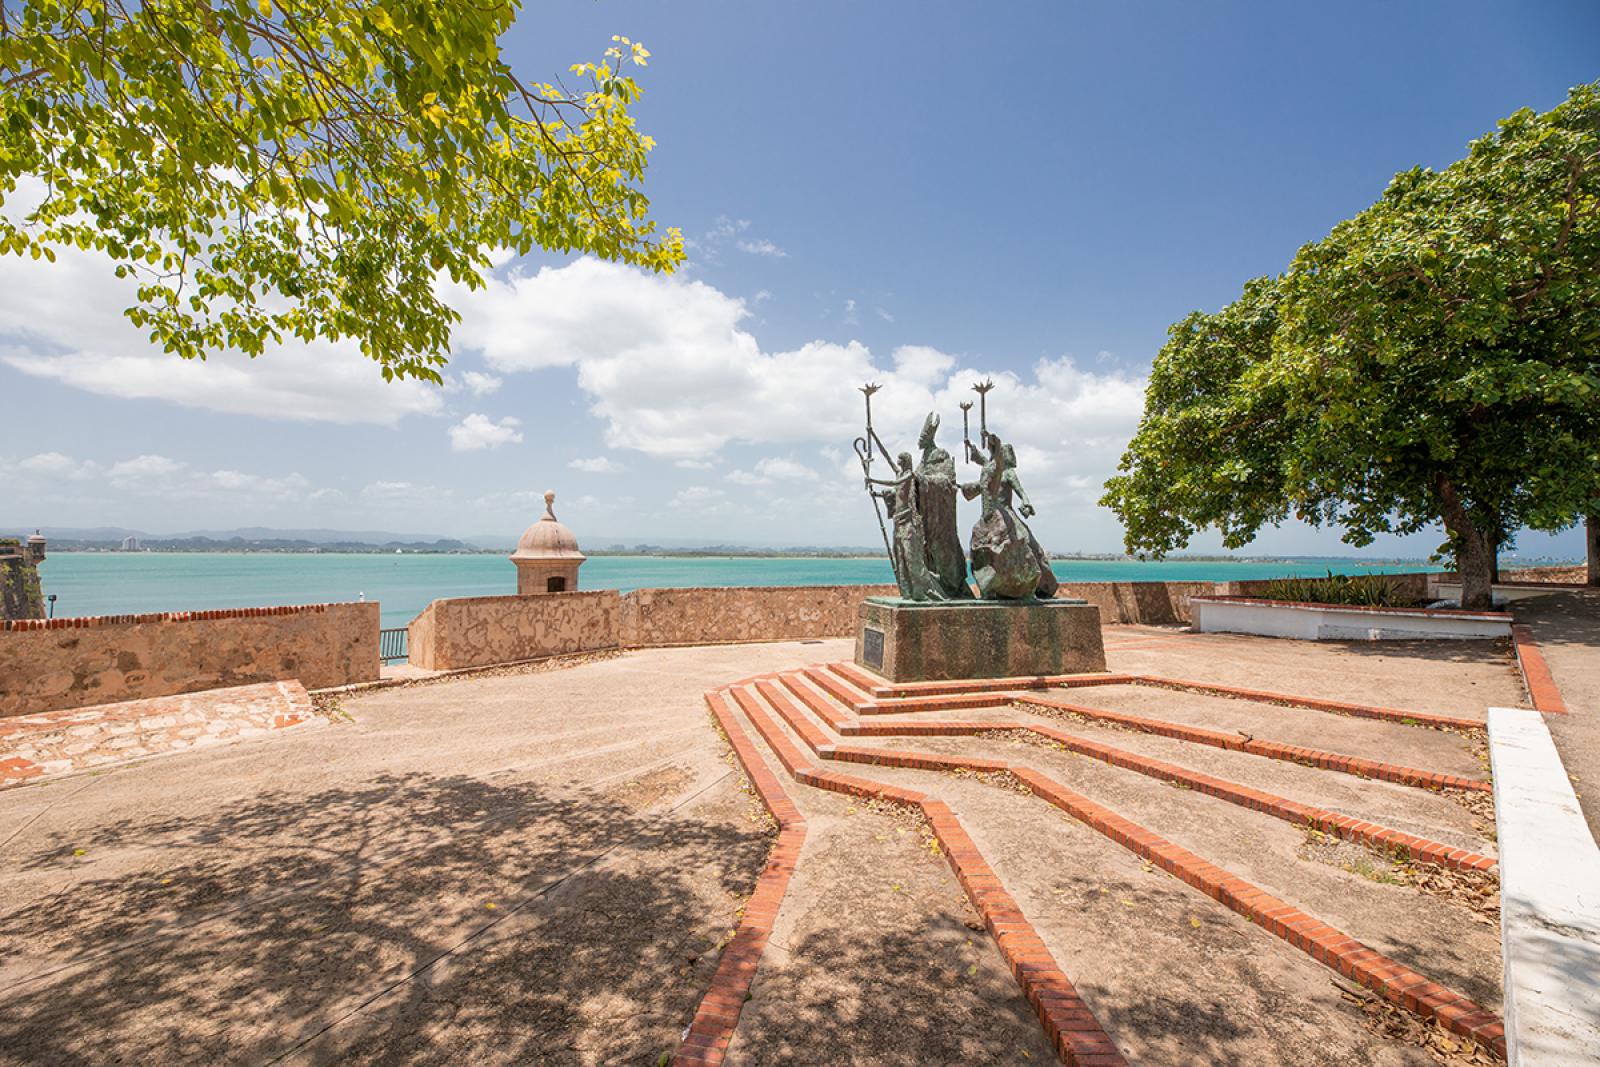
{"x": 1072, "y": 1028}
{"x": 1384, "y": 838}
{"x": 1359, "y": 766}
{"x": 1323, "y": 943}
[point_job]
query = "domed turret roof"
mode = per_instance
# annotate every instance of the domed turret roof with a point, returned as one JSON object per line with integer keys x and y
{"x": 548, "y": 538}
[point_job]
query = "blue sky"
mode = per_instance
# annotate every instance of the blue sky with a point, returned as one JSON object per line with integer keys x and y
{"x": 920, "y": 192}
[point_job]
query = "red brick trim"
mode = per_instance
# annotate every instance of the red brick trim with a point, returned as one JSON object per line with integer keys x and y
{"x": 1323, "y": 943}
{"x": 711, "y": 1030}
{"x": 91, "y": 622}
{"x": 1076, "y": 1034}
{"x": 1073, "y": 681}
{"x": 1417, "y": 849}
{"x": 985, "y": 685}
{"x": 1536, "y": 676}
{"x": 856, "y": 676}
{"x": 1311, "y": 757}
{"x": 1338, "y": 707}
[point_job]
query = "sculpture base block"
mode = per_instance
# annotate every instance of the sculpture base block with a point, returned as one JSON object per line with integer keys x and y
{"x": 909, "y": 641}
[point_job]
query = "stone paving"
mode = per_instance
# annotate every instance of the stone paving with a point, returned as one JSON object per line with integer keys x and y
{"x": 557, "y": 866}
{"x": 81, "y": 739}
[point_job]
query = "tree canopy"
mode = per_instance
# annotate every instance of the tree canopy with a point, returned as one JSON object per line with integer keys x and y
{"x": 1436, "y": 358}
{"x": 277, "y": 168}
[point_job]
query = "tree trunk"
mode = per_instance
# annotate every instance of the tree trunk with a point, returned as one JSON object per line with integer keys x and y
{"x": 1471, "y": 547}
{"x": 1494, "y": 559}
{"x": 1592, "y": 529}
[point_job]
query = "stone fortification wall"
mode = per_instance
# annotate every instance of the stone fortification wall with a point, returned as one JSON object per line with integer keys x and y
{"x": 706, "y": 616}
{"x": 51, "y": 664}
{"x": 20, "y": 595}
{"x": 481, "y": 631}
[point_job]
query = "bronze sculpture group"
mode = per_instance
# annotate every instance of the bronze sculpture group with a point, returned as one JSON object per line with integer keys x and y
{"x": 929, "y": 565}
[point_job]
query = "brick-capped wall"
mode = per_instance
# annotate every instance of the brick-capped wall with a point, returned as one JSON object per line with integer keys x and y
{"x": 48, "y": 664}
{"x": 481, "y": 631}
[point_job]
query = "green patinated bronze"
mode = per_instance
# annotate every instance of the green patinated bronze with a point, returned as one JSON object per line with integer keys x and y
{"x": 1007, "y": 561}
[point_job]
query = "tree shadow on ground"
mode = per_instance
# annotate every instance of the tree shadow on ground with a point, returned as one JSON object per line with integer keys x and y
{"x": 585, "y": 931}
{"x": 1496, "y": 651}
{"x": 1567, "y": 617}
{"x": 929, "y": 994}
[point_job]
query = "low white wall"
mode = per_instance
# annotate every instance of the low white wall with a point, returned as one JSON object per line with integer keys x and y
{"x": 1332, "y": 622}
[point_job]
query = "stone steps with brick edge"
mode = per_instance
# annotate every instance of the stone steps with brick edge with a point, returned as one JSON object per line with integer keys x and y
{"x": 874, "y": 695}
{"x": 1325, "y": 944}
{"x": 1414, "y": 847}
{"x": 1074, "y": 1031}
{"x": 1333, "y": 761}
{"x": 1365, "y": 830}
{"x": 711, "y": 1030}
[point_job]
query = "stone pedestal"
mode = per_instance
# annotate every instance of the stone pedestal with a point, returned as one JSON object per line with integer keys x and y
{"x": 906, "y": 641}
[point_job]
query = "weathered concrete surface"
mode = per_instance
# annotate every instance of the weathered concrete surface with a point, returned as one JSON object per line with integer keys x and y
{"x": 1549, "y": 899}
{"x": 1460, "y": 678}
{"x": 484, "y": 630}
{"x": 525, "y": 868}
{"x": 54, "y": 743}
{"x": 979, "y": 639}
{"x": 1566, "y": 624}
{"x": 46, "y": 665}
{"x": 658, "y": 617}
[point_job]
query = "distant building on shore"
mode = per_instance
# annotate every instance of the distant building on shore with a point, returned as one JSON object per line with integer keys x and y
{"x": 130, "y": 544}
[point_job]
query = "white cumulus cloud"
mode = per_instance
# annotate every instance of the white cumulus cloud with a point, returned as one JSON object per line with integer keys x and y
{"x": 476, "y": 432}
{"x": 597, "y": 465}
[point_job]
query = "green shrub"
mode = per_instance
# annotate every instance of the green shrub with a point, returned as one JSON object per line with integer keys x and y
{"x": 1366, "y": 590}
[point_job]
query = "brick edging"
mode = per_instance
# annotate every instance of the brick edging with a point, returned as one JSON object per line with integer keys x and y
{"x": 1325, "y": 944}
{"x": 709, "y": 1033}
{"x": 1418, "y": 849}
{"x": 973, "y": 688}
{"x": 1536, "y": 676}
{"x": 1337, "y": 707}
{"x": 92, "y": 622}
{"x": 1359, "y": 766}
{"x": 1073, "y": 1030}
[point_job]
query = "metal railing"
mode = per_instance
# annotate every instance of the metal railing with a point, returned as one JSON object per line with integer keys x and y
{"x": 392, "y": 644}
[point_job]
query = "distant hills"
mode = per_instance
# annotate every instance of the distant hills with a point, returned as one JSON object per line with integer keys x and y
{"x": 269, "y": 539}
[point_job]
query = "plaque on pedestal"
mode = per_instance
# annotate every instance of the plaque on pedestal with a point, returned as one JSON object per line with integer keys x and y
{"x": 915, "y": 641}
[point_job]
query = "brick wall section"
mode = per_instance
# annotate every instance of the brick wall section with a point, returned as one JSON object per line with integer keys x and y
{"x": 49, "y": 664}
{"x": 481, "y": 631}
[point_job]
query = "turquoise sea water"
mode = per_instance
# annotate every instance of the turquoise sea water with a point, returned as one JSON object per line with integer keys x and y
{"x": 115, "y": 583}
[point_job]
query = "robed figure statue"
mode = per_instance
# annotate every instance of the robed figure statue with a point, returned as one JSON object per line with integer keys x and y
{"x": 1011, "y": 488}
{"x": 910, "y": 544}
{"x": 1004, "y": 562}
{"x": 936, "y": 498}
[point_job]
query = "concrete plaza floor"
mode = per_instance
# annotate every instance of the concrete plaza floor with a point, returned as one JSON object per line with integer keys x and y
{"x": 544, "y": 866}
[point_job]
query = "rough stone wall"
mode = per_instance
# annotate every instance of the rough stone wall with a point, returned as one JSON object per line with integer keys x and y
{"x": 484, "y": 630}
{"x": 656, "y": 617}
{"x": 1151, "y": 603}
{"x": 20, "y": 595}
{"x": 47, "y": 665}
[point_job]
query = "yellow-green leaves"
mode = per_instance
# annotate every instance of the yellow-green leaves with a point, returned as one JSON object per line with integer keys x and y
{"x": 260, "y": 184}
